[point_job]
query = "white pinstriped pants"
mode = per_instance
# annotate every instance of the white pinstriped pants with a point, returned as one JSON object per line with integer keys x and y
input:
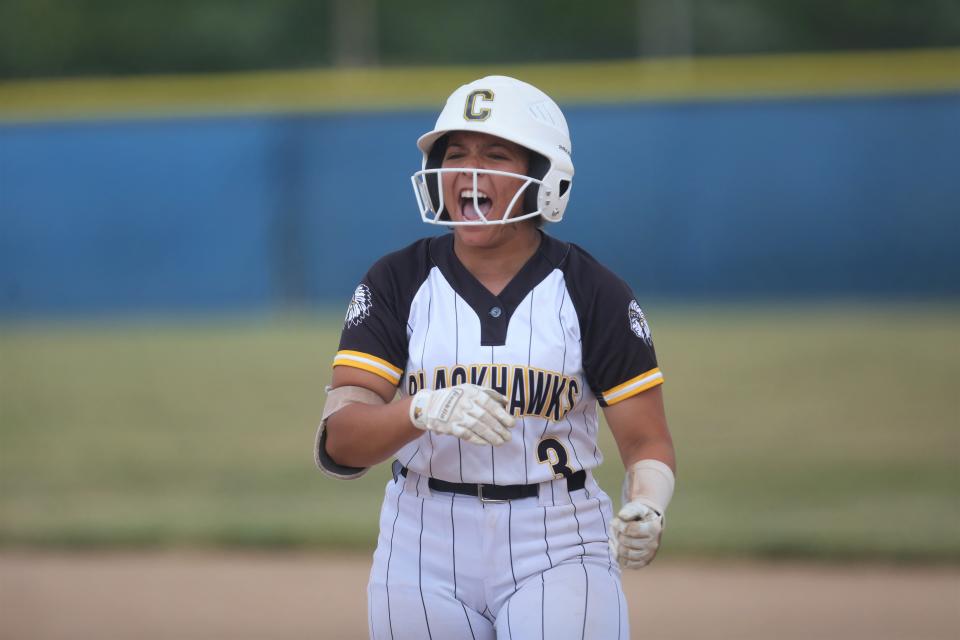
{"x": 449, "y": 566}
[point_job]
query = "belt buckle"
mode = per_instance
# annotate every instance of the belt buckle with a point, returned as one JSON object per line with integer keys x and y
{"x": 485, "y": 499}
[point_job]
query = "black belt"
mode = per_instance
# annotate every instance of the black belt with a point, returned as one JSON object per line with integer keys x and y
{"x": 493, "y": 492}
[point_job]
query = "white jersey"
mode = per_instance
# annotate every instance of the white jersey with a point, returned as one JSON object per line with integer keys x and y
{"x": 564, "y": 335}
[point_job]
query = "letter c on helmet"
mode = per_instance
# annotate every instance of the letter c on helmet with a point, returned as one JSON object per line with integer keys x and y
{"x": 470, "y": 111}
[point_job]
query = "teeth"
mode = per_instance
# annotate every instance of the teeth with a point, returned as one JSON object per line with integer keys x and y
{"x": 468, "y": 193}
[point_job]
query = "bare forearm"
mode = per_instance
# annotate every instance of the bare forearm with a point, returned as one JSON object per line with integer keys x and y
{"x": 362, "y": 435}
{"x": 651, "y": 449}
{"x": 639, "y": 425}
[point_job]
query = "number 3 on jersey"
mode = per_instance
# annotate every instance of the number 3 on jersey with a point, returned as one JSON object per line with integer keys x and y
{"x": 551, "y": 452}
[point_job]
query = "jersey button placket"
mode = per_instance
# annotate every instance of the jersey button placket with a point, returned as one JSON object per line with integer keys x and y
{"x": 495, "y": 312}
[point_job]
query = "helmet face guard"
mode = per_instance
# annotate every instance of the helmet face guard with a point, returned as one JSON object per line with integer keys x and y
{"x": 428, "y": 182}
{"x": 512, "y": 110}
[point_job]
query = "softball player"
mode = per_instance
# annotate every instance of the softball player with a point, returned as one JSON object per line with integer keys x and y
{"x": 501, "y": 341}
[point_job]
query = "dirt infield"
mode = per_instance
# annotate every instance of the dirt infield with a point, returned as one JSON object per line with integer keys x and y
{"x": 227, "y": 595}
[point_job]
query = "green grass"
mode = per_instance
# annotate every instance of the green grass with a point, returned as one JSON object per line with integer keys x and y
{"x": 827, "y": 432}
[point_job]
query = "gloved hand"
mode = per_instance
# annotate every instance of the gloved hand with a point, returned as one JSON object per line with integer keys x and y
{"x": 470, "y": 412}
{"x": 635, "y": 534}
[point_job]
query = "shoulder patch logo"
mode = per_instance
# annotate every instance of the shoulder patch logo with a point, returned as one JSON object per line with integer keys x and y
{"x": 360, "y": 305}
{"x": 638, "y": 322}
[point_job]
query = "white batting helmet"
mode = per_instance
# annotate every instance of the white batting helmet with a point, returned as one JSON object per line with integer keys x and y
{"x": 512, "y": 110}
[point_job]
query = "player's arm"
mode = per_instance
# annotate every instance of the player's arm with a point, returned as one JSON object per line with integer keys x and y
{"x": 361, "y": 434}
{"x": 639, "y": 426}
{"x": 369, "y": 426}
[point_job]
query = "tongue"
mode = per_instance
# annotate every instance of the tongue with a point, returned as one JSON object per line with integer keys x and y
{"x": 470, "y": 211}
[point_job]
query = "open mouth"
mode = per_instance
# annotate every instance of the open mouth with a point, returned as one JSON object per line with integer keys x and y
{"x": 470, "y": 200}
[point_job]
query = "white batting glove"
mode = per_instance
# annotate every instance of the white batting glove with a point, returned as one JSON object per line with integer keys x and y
{"x": 635, "y": 535}
{"x": 469, "y": 412}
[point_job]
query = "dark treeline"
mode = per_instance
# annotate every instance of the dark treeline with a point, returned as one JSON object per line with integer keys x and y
{"x": 49, "y": 38}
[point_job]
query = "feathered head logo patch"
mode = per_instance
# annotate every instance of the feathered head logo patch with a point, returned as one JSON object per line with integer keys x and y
{"x": 360, "y": 305}
{"x": 638, "y": 322}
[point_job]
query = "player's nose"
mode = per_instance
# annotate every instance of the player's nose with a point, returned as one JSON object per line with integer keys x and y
{"x": 465, "y": 180}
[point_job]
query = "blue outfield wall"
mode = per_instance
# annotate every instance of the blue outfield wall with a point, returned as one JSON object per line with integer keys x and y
{"x": 806, "y": 196}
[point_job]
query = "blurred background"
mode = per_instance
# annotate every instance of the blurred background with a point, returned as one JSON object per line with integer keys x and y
{"x": 190, "y": 191}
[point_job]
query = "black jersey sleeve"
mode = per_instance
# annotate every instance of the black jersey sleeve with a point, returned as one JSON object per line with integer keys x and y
{"x": 374, "y": 336}
{"x": 619, "y": 359}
